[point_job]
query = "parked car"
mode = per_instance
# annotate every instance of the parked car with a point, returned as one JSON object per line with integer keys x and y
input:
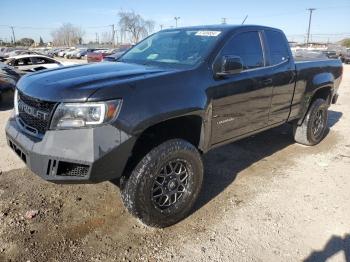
{"x": 4, "y": 52}
{"x": 146, "y": 120}
{"x": 346, "y": 57}
{"x": 32, "y": 63}
{"x": 8, "y": 79}
{"x": 115, "y": 55}
{"x": 77, "y": 53}
{"x": 63, "y": 52}
{"x": 57, "y": 51}
{"x": 16, "y": 52}
{"x": 69, "y": 53}
{"x": 331, "y": 54}
{"x": 46, "y": 52}
{"x": 308, "y": 55}
{"x": 80, "y": 54}
{"x": 97, "y": 55}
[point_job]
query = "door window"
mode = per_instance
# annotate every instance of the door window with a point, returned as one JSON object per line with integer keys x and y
{"x": 277, "y": 43}
{"x": 248, "y": 47}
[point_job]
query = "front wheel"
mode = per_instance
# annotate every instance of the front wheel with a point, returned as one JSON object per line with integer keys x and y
{"x": 164, "y": 186}
{"x": 313, "y": 129}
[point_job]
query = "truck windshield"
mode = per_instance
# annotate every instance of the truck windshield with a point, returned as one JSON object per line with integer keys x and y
{"x": 181, "y": 47}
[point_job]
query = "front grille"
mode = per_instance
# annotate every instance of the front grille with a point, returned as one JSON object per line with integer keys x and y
{"x": 31, "y": 121}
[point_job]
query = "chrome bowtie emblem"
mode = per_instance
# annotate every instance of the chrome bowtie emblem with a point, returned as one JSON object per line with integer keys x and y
{"x": 22, "y": 107}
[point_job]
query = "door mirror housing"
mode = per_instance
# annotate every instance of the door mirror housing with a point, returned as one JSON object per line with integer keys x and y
{"x": 229, "y": 65}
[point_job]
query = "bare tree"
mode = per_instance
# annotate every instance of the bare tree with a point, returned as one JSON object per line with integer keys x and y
{"x": 25, "y": 42}
{"x": 106, "y": 37}
{"x": 135, "y": 25}
{"x": 67, "y": 35}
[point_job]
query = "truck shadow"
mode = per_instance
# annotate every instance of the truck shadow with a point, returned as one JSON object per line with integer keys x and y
{"x": 222, "y": 165}
{"x": 333, "y": 117}
{"x": 4, "y": 106}
{"x": 335, "y": 245}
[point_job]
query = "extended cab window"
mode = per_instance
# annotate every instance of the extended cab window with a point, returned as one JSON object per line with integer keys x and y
{"x": 248, "y": 47}
{"x": 278, "y": 46}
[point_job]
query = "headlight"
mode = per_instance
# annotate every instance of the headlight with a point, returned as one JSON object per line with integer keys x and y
{"x": 76, "y": 115}
{"x": 15, "y": 102}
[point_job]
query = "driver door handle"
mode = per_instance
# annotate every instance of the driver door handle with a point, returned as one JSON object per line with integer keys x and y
{"x": 266, "y": 82}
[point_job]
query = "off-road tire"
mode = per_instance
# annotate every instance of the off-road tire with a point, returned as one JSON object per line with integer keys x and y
{"x": 136, "y": 191}
{"x": 303, "y": 133}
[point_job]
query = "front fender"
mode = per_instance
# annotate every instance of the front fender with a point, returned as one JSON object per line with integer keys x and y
{"x": 322, "y": 80}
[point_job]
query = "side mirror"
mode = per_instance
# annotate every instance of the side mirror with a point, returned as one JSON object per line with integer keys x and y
{"x": 230, "y": 65}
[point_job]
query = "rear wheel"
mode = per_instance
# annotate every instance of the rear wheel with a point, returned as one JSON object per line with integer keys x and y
{"x": 164, "y": 186}
{"x": 314, "y": 126}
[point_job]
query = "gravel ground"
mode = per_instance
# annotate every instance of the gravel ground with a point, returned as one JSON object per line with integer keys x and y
{"x": 265, "y": 198}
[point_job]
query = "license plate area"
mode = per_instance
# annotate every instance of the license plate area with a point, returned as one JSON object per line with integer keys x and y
{"x": 18, "y": 151}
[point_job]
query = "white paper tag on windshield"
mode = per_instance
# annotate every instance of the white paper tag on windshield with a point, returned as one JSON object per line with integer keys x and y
{"x": 152, "y": 56}
{"x": 208, "y": 33}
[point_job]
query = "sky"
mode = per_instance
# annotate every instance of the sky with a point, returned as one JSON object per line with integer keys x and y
{"x": 35, "y": 18}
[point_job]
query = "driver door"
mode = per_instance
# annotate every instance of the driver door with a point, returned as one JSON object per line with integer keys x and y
{"x": 241, "y": 102}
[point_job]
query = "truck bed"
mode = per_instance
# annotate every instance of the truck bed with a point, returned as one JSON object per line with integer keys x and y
{"x": 309, "y": 76}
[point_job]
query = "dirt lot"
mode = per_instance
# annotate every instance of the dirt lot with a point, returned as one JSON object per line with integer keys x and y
{"x": 264, "y": 199}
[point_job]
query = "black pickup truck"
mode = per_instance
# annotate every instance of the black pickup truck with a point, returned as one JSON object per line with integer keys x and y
{"x": 146, "y": 119}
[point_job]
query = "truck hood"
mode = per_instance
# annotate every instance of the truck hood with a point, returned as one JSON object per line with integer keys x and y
{"x": 77, "y": 83}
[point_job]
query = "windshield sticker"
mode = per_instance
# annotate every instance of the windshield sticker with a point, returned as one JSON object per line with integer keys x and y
{"x": 208, "y": 33}
{"x": 152, "y": 56}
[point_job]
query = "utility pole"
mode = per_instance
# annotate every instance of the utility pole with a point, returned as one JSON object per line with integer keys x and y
{"x": 13, "y": 34}
{"x": 176, "y": 18}
{"x": 97, "y": 42}
{"x": 308, "y": 30}
{"x": 113, "y": 34}
{"x": 116, "y": 36}
{"x": 223, "y": 20}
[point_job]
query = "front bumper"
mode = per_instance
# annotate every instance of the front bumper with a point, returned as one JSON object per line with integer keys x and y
{"x": 73, "y": 156}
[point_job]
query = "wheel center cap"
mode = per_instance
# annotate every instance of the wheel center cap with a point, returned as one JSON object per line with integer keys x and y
{"x": 172, "y": 184}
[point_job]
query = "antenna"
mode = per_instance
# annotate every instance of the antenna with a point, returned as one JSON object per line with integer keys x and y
{"x": 244, "y": 19}
{"x": 176, "y": 18}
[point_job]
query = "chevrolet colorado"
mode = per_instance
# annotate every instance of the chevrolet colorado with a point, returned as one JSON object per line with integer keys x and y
{"x": 146, "y": 119}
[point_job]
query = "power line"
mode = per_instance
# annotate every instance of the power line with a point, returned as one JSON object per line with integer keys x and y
{"x": 28, "y": 27}
{"x": 50, "y": 28}
{"x": 93, "y": 27}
